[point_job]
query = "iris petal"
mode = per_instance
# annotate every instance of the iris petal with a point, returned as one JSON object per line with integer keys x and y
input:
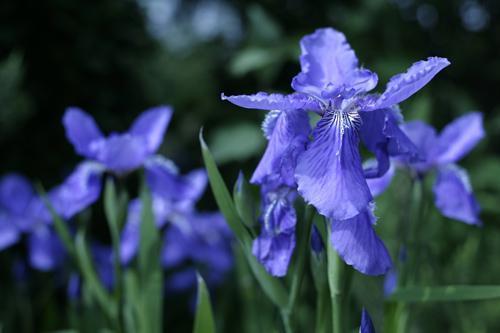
{"x": 81, "y": 131}
{"x": 366, "y": 323}
{"x": 45, "y": 249}
{"x": 121, "y": 152}
{"x": 358, "y": 245}
{"x": 328, "y": 60}
{"x": 16, "y": 193}
{"x": 287, "y": 140}
{"x": 454, "y": 197}
{"x": 329, "y": 173}
{"x": 381, "y": 134}
{"x": 379, "y": 185}
{"x": 9, "y": 232}
{"x": 459, "y": 137}
{"x": 276, "y": 242}
{"x": 80, "y": 190}
{"x": 152, "y": 125}
{"x": 265, "y": 101}
{"x": 425, "y": 139}
{"x": 402, "y": 86}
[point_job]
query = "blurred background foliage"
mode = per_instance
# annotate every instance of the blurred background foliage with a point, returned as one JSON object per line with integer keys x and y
{"x": 117, "y": 58}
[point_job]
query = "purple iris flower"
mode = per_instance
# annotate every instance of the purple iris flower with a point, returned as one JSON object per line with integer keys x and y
{"x": 366, "y": 323}
{"x": 23, "y": 212}
{"x": 453, "y": 194}
{"x": 329, "y": 173}
{"x": 119, "y": 152}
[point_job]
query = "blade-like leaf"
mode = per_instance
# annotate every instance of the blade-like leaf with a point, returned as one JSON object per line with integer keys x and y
{"x": 204, "y": 320}
{"x": 445, "y": 293}
{"x": 244, "y": 201}
{"x": 273, "y": 288}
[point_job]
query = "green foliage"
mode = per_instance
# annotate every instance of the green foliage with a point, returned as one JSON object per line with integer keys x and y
{"x": 203, "y": 321}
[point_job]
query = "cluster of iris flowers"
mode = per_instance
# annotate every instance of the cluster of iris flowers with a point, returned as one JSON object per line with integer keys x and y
{"x": 312, "y": 158}
{"x": 192, "y": 240}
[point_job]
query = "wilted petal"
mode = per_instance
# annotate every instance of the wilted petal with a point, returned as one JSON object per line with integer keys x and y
{"x": 276, "y": 242}
{"x": 459, "y": 137}
{"x": 366, "y": 323}
{"x": 329, "y": 173}
{"x": 80, "y": 190}
{"x": 45, "y": 249}
{"x": 81, "y": 130}
{"x": 9, "y": 233}
{"x": 265, "y": 101}
{"x": 454, "y": 197}
{"x": 287, "y": 138}
{"x": 152, "y": 125}
{"x": 378, "y": 185}
{"x": 402, "y": 86}
{"x": 164, "y": 180}
{"x": 381, "y": 134}
{"x": 121, "y": 152}
{"x": 327, "y": 60}
{"x": 358, "y": 245}
{"x": 16, "y": 193}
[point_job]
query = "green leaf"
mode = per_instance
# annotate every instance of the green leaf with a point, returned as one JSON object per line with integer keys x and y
{"x": 273, "y": 288}
{"x": 244, "y": 201}
{"x": 90, "y": 277}
{"x": 204, "y": 319}
{"x": 150, "y": 271}
{"x": 445, "y": 293}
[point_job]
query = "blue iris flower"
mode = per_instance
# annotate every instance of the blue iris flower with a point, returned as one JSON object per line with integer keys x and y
{"x": 453, "y": 194}
{"x": 366, "y": 323}
{"x": 327, "y": 170}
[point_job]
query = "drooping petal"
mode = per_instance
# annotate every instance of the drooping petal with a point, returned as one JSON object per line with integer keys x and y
{"x": 425, "y": 138}
{"x": 265, "y": 101}
{"x": 459, "y": 137}
{"x": 402, "y": 86}
{"x": 381, "y": 134}
{"x": 329, "y": 173}
{"x": 164, "y": 180}
{"x": 121, "y": 152}
{"x": 287, "y": 140}
{"x": 358, "y": 245}
{"x": 152, "y": 125}
{"x": 45, "y": 249}
{"x": 454, "y": 197}
{"x": 16, "y": 193}
{"x": 81, "y": 130}
{"x": 327, "y": 62}
{"x": 379, "y": 185}
{"x": 80, "y": 190}
{"x": 366, "y": 323}
{"x": 9, "y": 232}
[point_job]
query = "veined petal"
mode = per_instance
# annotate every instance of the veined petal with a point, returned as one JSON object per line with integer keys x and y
{"x": 121, "y": 152}
{"x": 459, "y": 137}
{"x": 402, "y": 86}
{"x": 152, "y": 125}
{"x": 366, "y": 323}
{"x": 80, "y": 190}
{"x": 45, "y": 249}
{"x": 454, "y": 197}
{"x": 164, "y": 180}
{"x": 16, "y": 193}
{"x": 276, "y": 242}
{"x": 381, "y": 134}
{"x": 328, "y": 60}
{"x": 81, "y": 130}
{"x": 379, "y": 185}
{"x": 287, "y": 140}
{"x": 329, "y": 173}
{"x": 265, "y": 101}
{"x": 358, "y": 245}
{"x": 9, "y": 232}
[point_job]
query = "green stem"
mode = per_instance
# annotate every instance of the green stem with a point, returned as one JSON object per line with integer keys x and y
{"x": 336, "y": 282}
{"x": 285, "y": 317}
{"x": 322, "y": 311}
